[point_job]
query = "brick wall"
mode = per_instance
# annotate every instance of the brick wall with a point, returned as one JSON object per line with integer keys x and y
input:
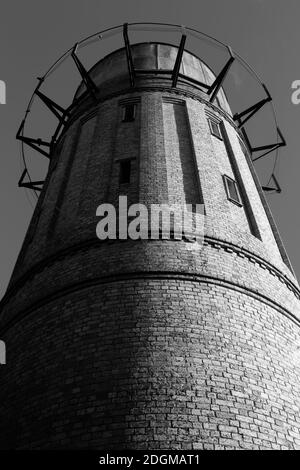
{"x": 152, "y": 363}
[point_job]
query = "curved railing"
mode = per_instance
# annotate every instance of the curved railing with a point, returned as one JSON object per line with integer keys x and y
{"x": 225, "y": 77}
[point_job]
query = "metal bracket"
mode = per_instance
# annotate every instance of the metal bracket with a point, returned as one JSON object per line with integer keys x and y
{"x": 269, "y": 148}
{"x": 276, "y": 189}
{"x": 178, "y": 60}
{"x": 55, "y": 108}
{"x": 130, "y": 65}
{"x": 90, "y": 85}
{"x": 216, "y": 85}
{"x": 35, "y": 185}
{"x": 249, "y": 112}
{"x": 33, "y": 143}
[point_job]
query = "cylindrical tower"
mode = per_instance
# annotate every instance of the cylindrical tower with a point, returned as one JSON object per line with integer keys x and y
{"x": 154, "y": 343}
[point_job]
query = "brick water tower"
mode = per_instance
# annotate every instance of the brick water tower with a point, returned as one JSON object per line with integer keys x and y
{"x": 152, "y": 343}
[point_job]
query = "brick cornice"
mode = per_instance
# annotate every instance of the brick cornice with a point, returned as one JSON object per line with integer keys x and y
{"x": 153, "y": 275}
{"x": 215, "y": 243}
{"x": 178, "y": 91}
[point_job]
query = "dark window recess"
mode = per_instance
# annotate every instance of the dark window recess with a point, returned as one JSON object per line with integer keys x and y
{"x": 232, "y": 190}
{"x": 128, "y": 113}
{"x": 125, "y": 170}
{"x": 215, "y": 129}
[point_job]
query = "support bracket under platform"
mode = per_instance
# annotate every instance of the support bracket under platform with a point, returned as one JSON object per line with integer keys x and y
{"x": 130, "y": 65}
{"x": 90, "y": 85}
{"x": 33, "y": 143}
{"x": 249, "y": 112}
{"x": 175, "y": 73}
{"x": 55, "y": 108}
{"x": 35, "y": 185}
{"x": 270, "y": 147}
{"x": 216, "y": 85}
{"x": 276, "y": 188}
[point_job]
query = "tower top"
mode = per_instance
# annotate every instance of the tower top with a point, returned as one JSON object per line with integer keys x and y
{"x": 176, "y": 65}
{"x": 154, "y": 59}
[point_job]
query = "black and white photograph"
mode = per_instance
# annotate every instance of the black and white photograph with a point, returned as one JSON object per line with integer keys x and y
{"x": 149, "y": 204}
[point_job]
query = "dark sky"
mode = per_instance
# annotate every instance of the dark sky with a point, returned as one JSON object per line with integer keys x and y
{"x": 34, "y": 33}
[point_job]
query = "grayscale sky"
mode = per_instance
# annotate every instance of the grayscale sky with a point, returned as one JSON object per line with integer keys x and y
{"x": 34, "y": 33}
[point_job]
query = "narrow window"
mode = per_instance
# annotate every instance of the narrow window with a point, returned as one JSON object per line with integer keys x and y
{"x": 128, "y": 113}
{"x": 215, "y": 129}
{"x": 232, "y": 190}
{"x": 125, "y": 170}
